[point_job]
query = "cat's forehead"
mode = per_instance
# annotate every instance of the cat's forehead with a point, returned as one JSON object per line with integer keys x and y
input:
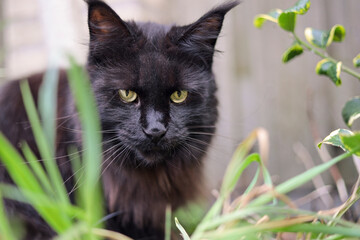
{"x": 153, "y": 31}
{"x": 157, "y": 70}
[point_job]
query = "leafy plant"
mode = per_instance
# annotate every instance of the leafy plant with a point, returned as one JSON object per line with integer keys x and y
{"x": 265, "y": 210}
{"x": 317, "y": 43}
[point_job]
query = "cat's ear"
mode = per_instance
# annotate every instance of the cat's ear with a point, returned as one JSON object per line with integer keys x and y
{"x": 201, "y": 36}
{"x": 104, "y": 23}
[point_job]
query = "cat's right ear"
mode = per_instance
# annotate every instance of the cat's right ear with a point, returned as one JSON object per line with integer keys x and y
{"x": 104, "y": 23}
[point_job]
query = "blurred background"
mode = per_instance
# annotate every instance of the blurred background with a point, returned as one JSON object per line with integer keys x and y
{"x": 255, "y": 88}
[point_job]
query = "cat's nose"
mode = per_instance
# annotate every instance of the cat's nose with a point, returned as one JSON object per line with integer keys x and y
{"x": 155, "y": 133}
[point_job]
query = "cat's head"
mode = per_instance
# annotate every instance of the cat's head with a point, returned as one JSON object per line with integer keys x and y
{"x": 154, "y": 85}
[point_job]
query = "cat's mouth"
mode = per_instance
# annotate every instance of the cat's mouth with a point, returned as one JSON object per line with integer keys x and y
{"x": 153, "y": 153}
{"x": 153, "y": 156}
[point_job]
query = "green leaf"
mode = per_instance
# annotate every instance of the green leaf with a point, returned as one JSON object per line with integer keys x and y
{"x": 190, "y": 215}
{"x": 26, "y": 181}
{"x": 322, "y": 39}
{"x": 287, "y": 21}
{"x": 182, "y": 230}
{"x": 318, "y": 38}
{"x": 5, "y": 227}
{"x": 37, "y": 169}
{"x": 91, "y": 139}
{"x": 301, "y": 7}
{"x": 337, "y": 34}
{"x": 168, "y": 223}
{"x": 48, "y": 105}
{"x": 239, "y": 162}
{"x": 291, "y": 52}
{"x": 43, "y": 143}
{"x": 272, "y": 16}
{"x": 334, "y": 138}
{"x": 288, "y": 225}
{"x": 298, "y": 180}
{"x": 330, "y": 69}
{"x": 356, "y": 61}
{"x": 352, "y": 143}
{"x": 351, "y": 111}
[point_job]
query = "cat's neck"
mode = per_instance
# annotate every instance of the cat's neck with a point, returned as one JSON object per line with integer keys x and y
{"x": 142, "y": 194}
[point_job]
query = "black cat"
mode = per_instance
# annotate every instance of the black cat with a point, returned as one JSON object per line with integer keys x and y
{"x": 155, "y": 92}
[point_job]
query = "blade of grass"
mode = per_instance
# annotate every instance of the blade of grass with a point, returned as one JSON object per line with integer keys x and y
{"x": 109, "y": 234}
{"x": 253, "y": 182}
{"x": 355, "y": 196}
{"x": 91, "y": 139}
{"x": 281, "y": 212}
{"x": 182, "y": 230}
{"x": 78, "y": 171}
{"x": 13, "y": 193}
{"x": 16, "y": 167}
{"x": 296, "y": 224}
{"x": 5, "y": 229}
{"x": 168, "y": 223}
{"x": 27, "y": 182}
{"x": 320, "y": 228}
{"x": 37, "y": 168}
{"x": 48, "y": 106}
{"x": 43, "y": 144}
{"x": 74, "y": 233}
{"x": 237, "y": 165}
{"x": 299, "y": 180}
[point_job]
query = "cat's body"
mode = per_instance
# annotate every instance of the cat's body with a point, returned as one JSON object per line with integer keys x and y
{"x": 153, "y": 143}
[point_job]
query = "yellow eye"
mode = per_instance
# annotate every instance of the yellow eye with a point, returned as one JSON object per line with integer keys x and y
{"x": 179, "y": 96}
{"x": 127, "y": 95}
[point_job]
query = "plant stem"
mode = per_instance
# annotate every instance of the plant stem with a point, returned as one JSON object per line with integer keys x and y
{"x": 320, "y": 54}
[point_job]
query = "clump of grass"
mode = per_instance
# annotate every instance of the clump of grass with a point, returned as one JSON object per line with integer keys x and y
{"x": 43, "y": 188}
{"x": 265, "y": 212}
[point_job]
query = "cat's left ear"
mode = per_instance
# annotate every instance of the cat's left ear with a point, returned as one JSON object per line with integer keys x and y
{"x": 104, "y": 23}
{"x": 201, "y": 35}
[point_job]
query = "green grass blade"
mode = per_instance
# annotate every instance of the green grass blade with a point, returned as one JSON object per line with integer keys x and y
{"x": 16, "y": 167}
{"x": 78, "y": 170}
{"x": 5, "y": 229}
{"x": 85, "y": 102}
{"x": 274, "y": 211}
{"x": 42, "y": 144}
{"x": 74, "y": 233}
{"x": 299, "y": 180}
{"x": 239, "y": 162}
{"x": 168, "y": 223}
{"x": 320, "y": 228}
{"x": 41, "y": 201}
{"x": 182, "y": 230}
{"x": 48, "y": 106}
{"x": 27, "y": 182}
{"x": 37, "y": 168}
{"x": 253, "y": 182}
{"x": 235, "y": 170}
{"x": 281, "y": 226}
